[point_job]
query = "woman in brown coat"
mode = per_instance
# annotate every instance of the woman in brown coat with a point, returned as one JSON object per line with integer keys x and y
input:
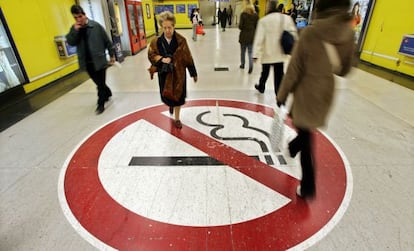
{"x": 310, "y": 78}
{"x": 247, "y": 26}
{"x": 170, "y": 56}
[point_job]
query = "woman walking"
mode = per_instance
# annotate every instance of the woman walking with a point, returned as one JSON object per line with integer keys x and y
{"x": 247, "y": 26}
{"x": 310, "y": 77}
{"x": 170, "y": 57}
{"x": 223, "y": 19}
{"x": 266, "y": 44}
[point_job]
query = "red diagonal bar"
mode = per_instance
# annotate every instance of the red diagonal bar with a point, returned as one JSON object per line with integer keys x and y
{"x": 255, "y": 169}
{"x": 111, "y": 223}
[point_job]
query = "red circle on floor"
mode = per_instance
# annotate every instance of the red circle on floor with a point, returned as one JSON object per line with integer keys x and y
{"x": 297, "y": 224}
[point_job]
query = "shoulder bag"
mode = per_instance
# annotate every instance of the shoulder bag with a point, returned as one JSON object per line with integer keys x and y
{"x": 287, "y": 40}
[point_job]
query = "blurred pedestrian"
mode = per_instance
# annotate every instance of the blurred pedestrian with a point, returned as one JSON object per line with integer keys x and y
{"x": 256, "y": 7}
{"x": 267, "y": 47}
{"x": 200, "y": 19}
{"x": 293, "y": 12}
{"x": 156, "y": 25}
{"x": 170, "y": 56}
{"x": 311, "y": 80}
{"x": 218, "y": 15}
{"x": 223, "y": 19}
{"x": 194, "y": 20}
{"x": 230, "y": 14}
{"x": 247, "y": 26}
{"x": 92, "y": 42}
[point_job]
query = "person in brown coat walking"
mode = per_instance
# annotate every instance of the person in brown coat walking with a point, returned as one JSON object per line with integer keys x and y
{"x": 310, "y": 77}
{"x": 170, "y": 56}
{"x": 247, "y": 26}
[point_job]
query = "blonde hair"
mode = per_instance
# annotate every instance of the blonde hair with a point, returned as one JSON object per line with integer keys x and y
{"x": 249, "y": 9}
{"x": 166, "y": 16}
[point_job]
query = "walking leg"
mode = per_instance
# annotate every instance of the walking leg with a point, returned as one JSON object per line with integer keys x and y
{"x": 278, "y": 75}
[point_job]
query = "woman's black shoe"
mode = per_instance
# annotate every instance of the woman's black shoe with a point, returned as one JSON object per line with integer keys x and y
{"x": 258, "y": 88}
{"x": 100, "y": 109}
{"x": 303, "y": 194}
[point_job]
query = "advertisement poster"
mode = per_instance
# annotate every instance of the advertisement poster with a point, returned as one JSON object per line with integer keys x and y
{"x": 10, "y": 71}
{"x": 360, "y": 10}
{"x": 118, "y": 50}
{"x": 407, "y": 46}
{"x": 190, "y": 7}
{"x": 304, "y": 13}
{"x": 180, "y": 8}
{"x": 162, "y": 8}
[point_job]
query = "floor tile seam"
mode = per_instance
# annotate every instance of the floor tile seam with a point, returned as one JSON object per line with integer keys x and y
{"x": 17, "y": 181}
{"x": 390, "y": 76}
{"x": 373, "y": 165}
{"x": 375, "y": 104}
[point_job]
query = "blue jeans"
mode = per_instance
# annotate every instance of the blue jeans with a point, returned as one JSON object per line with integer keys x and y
{"x": 194, "y": 32}
{"x": 249, "y": 48}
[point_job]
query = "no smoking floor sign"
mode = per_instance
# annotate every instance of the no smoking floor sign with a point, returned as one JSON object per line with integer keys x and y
{"x": 138, "y": 183}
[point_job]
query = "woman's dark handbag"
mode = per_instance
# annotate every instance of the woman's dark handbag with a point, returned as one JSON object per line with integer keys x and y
{"x": 166, "y": 68}
{"x": 287, "y": 40}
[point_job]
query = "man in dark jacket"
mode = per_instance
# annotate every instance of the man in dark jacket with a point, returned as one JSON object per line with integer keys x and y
{"x": 92, "y": 42}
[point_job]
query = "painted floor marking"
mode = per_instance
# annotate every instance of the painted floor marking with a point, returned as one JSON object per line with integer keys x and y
{"x": 106, "y": 223}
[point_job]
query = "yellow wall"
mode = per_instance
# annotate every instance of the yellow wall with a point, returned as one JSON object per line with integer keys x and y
{"x": 33, "y": 25}
{"x": 149, "y": 22}
{"x": 182, "y": 20}
{"x": 390, "y": 21}
{"x": 262, "y": 7}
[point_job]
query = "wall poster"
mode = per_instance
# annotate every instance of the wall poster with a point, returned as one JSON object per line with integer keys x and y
{"x": 407, "y": 46}
{"x": 190, "y": 7}
{"x": 361, "y": 11}
{"x": 304, "y": 8}
{"x": 180, "y": 8}
{"x": 11, "y": 74}
{"x": 148, "y": 11}
{"x": 162, "y": 8}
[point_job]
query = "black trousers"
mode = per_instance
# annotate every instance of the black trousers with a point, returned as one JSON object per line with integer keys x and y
{"x": 303, "y": 144}
{"x": 99, "y": 78}
{"x": 277, "y": 73}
